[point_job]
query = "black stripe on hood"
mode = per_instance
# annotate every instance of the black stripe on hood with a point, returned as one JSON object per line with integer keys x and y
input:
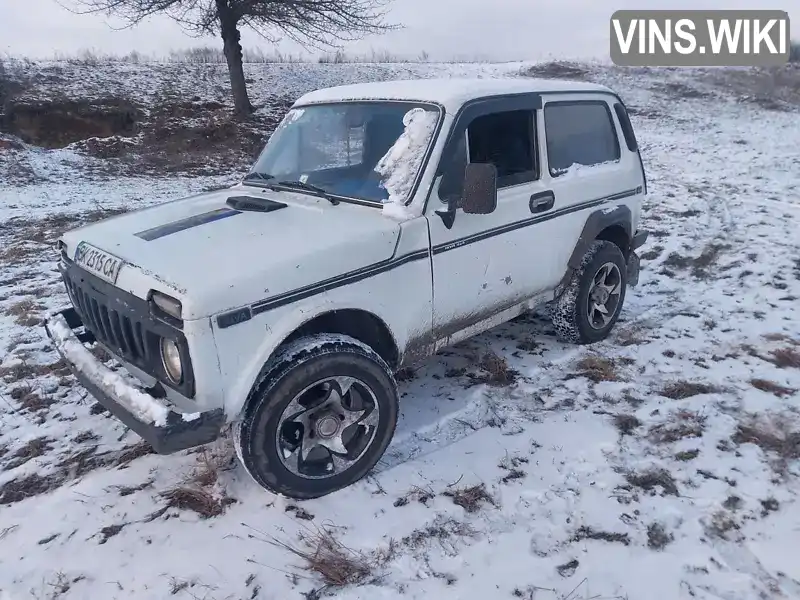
{"x": 187, "y": 223}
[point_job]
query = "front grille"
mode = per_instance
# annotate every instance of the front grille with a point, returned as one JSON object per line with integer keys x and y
{"x": 115, "y": 330}
{"x": 123, "y": 324}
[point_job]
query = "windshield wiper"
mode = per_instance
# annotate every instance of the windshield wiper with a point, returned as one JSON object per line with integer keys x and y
{"x": 307, "y": 187}
{"x": 256, "y": 175}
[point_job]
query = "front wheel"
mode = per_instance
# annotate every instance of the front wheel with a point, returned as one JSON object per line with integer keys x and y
{"x": 591, "y": 303}
{"x": 320, "y": 419}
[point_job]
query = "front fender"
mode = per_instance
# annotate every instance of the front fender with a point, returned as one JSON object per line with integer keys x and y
{"x": 244, "y": 349}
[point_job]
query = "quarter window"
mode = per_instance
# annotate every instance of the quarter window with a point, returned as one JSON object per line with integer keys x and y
{"x": 580, "y": 133}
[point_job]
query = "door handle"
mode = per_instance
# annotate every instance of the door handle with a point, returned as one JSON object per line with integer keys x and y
{"x": 542, "y": 201}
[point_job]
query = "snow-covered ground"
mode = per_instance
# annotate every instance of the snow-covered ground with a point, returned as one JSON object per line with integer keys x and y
{"x": 660, "y": 464}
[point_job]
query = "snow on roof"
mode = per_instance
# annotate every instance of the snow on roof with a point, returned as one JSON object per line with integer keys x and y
{"x": 450, "y": 92}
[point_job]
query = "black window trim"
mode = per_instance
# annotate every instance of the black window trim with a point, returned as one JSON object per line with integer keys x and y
{"x": 522, "y": 177}
{"x": 538, "y": 99}
{"x": 478, "y": 107}
{"x": 626, "y": 126}
{"x": 611, "y": 121}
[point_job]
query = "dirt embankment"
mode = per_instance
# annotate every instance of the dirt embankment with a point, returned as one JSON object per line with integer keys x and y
{"x": 173, "y": 134}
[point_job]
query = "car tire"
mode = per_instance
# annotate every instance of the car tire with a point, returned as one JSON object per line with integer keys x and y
{"x": 309, "y": 375}
{"x": 574, "y": 313}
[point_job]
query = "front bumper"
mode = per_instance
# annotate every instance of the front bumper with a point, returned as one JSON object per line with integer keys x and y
{"x": 165, "y": 430}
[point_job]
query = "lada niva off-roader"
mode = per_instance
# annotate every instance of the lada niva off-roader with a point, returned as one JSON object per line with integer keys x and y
{"x": 382, "y": 222}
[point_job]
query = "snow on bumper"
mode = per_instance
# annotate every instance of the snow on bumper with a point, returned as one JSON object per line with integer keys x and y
{"x": 167, "y": 431}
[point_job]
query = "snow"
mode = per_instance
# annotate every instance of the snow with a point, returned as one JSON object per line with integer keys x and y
{"x": 400, "y": 166}
{"x": 718, "y": 295}
{"x": 451, "y": 92}
{"x": 580, "y": 170}
{"x": 143, "y": 406}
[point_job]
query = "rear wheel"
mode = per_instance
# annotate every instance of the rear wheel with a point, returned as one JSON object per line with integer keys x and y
{"x": 591, "y": 303}
{"x": 320, "y": 419}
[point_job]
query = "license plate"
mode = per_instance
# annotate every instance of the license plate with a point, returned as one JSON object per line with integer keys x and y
{"x": 106, "y": 266}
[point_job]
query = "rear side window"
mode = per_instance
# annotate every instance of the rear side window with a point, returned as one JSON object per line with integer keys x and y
{"x": 580, "y": 133}
{"x": 627, "y": 128}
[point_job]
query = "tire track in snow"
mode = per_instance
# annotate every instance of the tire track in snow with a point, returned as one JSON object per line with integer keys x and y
{"x": 505, "y": 406}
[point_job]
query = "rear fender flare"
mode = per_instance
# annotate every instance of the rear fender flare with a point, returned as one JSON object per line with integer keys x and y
{"x": 597, "y": 222}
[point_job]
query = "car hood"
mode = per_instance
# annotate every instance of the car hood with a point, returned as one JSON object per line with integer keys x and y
{"x": 213, "y": 258}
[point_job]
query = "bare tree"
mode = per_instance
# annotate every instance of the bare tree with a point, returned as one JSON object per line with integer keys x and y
{"x": 314, "y": 22}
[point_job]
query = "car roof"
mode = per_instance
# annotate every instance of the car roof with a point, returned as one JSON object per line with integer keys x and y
{"x": 452, "y": 93}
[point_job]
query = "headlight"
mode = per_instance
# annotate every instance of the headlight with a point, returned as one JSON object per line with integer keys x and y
{"x": 171, "y": 359}
{"x": 168, "y": 304}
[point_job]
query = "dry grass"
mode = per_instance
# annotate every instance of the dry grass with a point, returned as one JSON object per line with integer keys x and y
{"x": 679, "y": 390}
{"x": 681, "y": 425}
{"x": 559, "y": 70}
{"x": 471, "y": 498}
{"x": 652, "y": 479}
{"x": 786, "y": 357}
{"x": 109, "y": 532}
{"x": 512, "y": 464}
{"x": 658, "y": 537}
{"x": 653, "y": 253}
{"x": 496, "y": 369}
{"x": 626, "y": 423}
{"x": 336, "y": 564}
{"x": 87, "y": 460}
{"x": 687, "y": 455}
{"x": 777, "y": 437}
{"x": 25, "y": 371}
{"x": 720, "y": 524}
{"x": 443, "y": 529}
{"x": 418, "y": 494}
{"x": 733, "y": 502}
{"x": 127, "y": 490}
{"x": 34, "y": 448}
{"x": 769, "y": 505}
{"x": 771, "y": 387}
{"x": 211, "y": 462}
{"x": 299, "y": 512}
{"x": 197, "y": 500}
{"x": 26, "y": 312}
{"x": 775, "y": 88}
{"x": 598, "y": 368}
{"x": 677, "y": 261}
{"x": 781, "y": 337}
{"x": 19, "y": 489}
{"x": 700, "y": 265}
{"x": 631, "y": 336}
{"x": 708, "y": 257}
{"x": 589, "y": 533}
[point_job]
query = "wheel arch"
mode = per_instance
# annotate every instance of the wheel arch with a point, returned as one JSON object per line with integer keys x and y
{"x": 360, "y": 324}
{"x": 615, "y": 226}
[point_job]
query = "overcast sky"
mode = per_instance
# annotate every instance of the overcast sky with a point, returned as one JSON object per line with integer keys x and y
{"x": 493, "y": 29}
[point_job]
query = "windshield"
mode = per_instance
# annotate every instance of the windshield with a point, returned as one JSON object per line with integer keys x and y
{"x": 364, "y": 150}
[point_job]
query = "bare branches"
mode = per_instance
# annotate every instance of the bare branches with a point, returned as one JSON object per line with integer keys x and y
{"x": 318, "y": 22}
{"x": 311, "y": 22}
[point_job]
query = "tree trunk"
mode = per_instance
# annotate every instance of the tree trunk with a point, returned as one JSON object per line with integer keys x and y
{"x": 233, "y": 56}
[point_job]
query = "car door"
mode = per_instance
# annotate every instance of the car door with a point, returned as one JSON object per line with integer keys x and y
{"x": 584, "y": 164}
{"x": 484, "y": 265}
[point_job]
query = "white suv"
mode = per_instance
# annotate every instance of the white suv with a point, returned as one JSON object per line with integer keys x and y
{"x": 382, "y": 222}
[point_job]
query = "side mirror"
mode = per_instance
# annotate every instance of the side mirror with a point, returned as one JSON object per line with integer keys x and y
{"x": 480, "y": 189}
{"x": 479, "y": 195}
